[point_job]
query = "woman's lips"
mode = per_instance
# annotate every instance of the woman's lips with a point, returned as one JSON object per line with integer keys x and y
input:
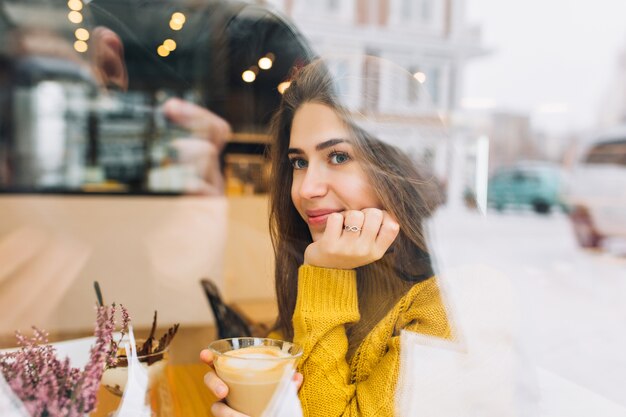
{"x": 318, "y": 217}
{"x": 317, "y": 220}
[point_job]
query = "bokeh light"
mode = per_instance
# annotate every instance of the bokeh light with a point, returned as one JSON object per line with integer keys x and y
{"x": 282, "y": 87}
{"x": 82, "y": 34}
{"x": 420, "y": 77}
{"x": 248, "y": 76}
{"x": 75, "y": 5}
{"x": 80, "y": 46}
{"x": 265, "y": 63}
{"x": 163, "y": 51}
{"x": 169, "y": 44}
{"x": 178, "y": 17}
{"x": 75, "y": 17}
{"x": 175, "y": 25}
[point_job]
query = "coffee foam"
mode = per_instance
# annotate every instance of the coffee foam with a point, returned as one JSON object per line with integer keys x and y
{"x": 253, "y": 365}
{"x": 254, "y": 358}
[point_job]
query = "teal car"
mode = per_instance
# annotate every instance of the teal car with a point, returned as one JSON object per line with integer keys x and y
{"x": 535, "y": 185}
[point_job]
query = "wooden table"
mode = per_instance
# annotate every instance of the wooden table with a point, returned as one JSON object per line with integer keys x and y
{"x": 190, "y": 397}
{"x": 185, "y": 374}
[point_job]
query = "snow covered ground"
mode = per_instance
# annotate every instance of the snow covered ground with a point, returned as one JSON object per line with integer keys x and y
{"x": 571, "y": 302}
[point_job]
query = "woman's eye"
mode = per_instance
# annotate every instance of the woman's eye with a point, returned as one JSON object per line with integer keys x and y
{"x": 339, "y": 158}
{"x": 298, "y": 163}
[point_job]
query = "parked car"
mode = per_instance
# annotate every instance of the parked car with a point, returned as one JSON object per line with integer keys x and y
{"x": 597, "y": 192}
{"x": 537, "y": 185}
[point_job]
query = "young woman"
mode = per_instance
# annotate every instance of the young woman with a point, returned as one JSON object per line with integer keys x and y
{"x": 352, "y": 268}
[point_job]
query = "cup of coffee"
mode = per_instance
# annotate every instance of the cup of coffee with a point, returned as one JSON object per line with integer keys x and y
{"x": 252, "y": 368}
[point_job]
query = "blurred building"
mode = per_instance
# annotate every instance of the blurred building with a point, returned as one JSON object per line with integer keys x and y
{"x": 429, "y": 38}
{"x": 511, "y": 138}
{"x": 555, "y": 147}
{"x": 613, "y": 107}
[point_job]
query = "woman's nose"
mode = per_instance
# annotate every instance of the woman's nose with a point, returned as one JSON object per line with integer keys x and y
{"x": 314, "y": 184}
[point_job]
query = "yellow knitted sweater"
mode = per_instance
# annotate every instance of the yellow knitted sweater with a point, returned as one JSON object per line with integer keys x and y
{"x": 327, "y": 301}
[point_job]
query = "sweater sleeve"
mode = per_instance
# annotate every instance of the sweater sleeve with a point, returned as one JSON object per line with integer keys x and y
{"x": 327, "y": 301}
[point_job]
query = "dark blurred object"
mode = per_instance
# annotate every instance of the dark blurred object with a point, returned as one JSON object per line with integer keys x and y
{"x": 229, "y": 322}
{"x": 586, "y": 233}
{"x": 596, "y": 190}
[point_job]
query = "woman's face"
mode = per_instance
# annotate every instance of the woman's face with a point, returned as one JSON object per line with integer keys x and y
{"x": 326, "y": 176}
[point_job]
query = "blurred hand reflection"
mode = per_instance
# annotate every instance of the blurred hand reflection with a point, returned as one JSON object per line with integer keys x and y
{"x": 108, "y": 59}
{"x": 208, "y": 132}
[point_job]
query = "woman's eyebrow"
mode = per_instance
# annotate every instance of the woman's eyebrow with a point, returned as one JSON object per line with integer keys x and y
{"x": 328, "y": 144}
{"x": 320, "y": 146}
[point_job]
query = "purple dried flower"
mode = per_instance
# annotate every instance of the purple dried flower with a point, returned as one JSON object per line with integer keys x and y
{"x": 49, "y": 387}
{"x": 125, "y": 319}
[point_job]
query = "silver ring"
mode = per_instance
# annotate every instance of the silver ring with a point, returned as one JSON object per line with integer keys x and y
{"x": 355, "y": 229}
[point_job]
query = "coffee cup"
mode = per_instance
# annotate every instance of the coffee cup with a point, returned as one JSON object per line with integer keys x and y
{"x": 252, "y": 368}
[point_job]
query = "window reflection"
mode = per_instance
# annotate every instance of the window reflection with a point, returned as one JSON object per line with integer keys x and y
{"x": 86, "y": 97}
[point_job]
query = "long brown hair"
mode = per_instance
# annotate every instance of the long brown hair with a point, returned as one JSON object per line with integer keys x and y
{"x": 398, "y": 185}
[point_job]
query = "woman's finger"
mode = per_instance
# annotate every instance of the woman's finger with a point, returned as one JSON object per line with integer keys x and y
{"x": 298, "y": 379}
{"x": 371, "y": 225}
{"x": 388, "y": 232}
{"x": 220, "y": 409}
{"x": 216, "y": 385}
{"x": 207, "y": 357}
{"x": 353, "y": 223}
{"x": 334, "y": 226}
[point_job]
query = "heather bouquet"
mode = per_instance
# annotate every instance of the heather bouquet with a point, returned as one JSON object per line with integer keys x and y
{"x": 51, "y": 387}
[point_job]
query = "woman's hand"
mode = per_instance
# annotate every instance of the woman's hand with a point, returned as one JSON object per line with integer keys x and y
{"x": 217, "y": 387}
{"x": 220, "y": 389}
{"x": 372, "y": 232}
